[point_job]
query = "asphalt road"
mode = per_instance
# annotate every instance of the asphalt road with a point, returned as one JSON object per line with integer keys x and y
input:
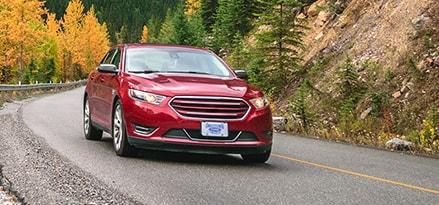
{"x": 300, "y": 170}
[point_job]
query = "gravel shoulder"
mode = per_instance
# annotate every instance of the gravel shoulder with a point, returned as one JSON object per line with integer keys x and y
{"x": 37, "y": 174}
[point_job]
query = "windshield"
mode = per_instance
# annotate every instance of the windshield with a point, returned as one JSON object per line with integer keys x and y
{"x": 174, "y": 60}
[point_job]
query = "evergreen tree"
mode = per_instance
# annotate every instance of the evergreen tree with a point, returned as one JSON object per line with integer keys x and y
{"x": 300, "y": 104}
{"x": 57, "y": 7}
{"x": 29, "y": 75}
{"x": 197, "y": 32}
{"x": 351, "y": 90}
{"x": 154, "y": 25}
{"x": 122, "y": 35}
{"x": 181, "y": 33}
{"x": 279, "y": 40}
{"x": 233, "y": 17}
{"x": 47, "y": 70}
{"x": 208, "y": 12}
{"x": 135, "y": 25}
{"x": 167, "y": 29}
{"x": 133, "y": 14}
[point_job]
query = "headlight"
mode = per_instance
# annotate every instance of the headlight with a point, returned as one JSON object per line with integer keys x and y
{"x": 146, "y": 97}
{"x": 260, "y": 102}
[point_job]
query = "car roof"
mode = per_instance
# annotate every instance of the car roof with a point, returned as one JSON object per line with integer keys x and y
{"x": 140, "y": 45}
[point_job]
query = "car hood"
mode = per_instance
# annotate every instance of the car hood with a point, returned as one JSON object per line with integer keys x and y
{"x": 193, "y": 85}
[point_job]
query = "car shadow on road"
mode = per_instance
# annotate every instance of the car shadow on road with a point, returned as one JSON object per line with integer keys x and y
{"x": 190, "y": 158}
{"x": 182, "y": 157}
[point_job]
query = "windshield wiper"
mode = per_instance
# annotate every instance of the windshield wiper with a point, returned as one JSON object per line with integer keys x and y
{"x": 143, "y": 71}
{"x": 191, "y": 72}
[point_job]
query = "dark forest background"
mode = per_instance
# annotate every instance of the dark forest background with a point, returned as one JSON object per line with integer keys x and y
{"x": 117, "y": 14}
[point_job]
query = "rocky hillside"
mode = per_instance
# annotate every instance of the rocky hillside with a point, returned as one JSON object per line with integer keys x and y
{"x": 393, "y": 45}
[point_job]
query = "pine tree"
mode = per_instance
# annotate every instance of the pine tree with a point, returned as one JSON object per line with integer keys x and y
{"x": 47, "y": 70}
{"x": 232, "y": 17}
{"x": 122, "y": 35}
{"x": 197, "y": 32}
{"x": 29, "y": 75}
{"x": 351, "y": 90}
{"x": 208, "y": 10}
{"x": 154, "y": 25}
{"x": 279, "y": 40}
{"x": 181, "y": 33}
{"x": 167, "y": 29}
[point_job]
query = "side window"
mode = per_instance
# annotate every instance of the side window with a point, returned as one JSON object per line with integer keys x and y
{"x": 116, "y": 58}
{"x": 107, "y": 59}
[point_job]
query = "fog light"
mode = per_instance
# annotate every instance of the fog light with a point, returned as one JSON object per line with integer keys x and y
{"x": 143, "y": 129}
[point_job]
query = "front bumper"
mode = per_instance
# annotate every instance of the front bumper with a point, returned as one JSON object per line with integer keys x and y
{"x": 199, "y": 148}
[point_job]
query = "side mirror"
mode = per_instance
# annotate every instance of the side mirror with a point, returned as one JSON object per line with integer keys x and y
{"x": 108, "y": 68}
{"x": 241, "y": 74}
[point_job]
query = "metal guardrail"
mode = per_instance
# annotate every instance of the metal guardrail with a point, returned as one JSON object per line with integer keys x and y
{"x": 16, "y": 92}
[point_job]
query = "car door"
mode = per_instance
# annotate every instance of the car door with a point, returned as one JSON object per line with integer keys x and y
{"x": 101, "y": 102}
{"x": 109, "y": 85}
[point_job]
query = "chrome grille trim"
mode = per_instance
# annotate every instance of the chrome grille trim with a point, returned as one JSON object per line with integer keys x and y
{"x": 210, "y": 108}
{"x": 212, "y": 140}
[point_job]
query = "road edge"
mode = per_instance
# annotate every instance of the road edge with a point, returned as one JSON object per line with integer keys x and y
{"x": 38, "y": 174}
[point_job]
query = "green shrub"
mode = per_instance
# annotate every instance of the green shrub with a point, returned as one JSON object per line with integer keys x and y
{"x": 427, "y": 138}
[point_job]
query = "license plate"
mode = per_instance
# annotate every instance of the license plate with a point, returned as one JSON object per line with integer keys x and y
{"x": 214, "y": 129}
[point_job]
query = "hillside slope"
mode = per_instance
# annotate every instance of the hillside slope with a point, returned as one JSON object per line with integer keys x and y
{"x": 393, "y": 45}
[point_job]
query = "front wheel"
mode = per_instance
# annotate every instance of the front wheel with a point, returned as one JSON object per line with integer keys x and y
{"x": 120, "y": 141}
{"x": 257, "y": 158}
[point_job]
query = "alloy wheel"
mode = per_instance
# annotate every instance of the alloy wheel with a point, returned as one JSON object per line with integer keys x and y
{"x": 117, "y": 127}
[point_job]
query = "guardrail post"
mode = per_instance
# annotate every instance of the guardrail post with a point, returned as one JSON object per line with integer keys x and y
{"x": 11, "y": 94}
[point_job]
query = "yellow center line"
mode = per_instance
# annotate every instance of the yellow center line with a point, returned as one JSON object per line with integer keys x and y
{"x": 358, "y": 174}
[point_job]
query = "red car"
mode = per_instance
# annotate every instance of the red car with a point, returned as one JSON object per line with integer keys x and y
{"x": 176, "y": 98}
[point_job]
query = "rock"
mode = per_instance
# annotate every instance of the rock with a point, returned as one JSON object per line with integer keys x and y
{"x": 436, "y": 61}
{"x": 397, "y": 94}
{"x": 319, "y": 36}
{"x": 313, "y": 11}
{"x": 365, "y": 113}
{"x": 399, "y": 144}
{"x": 342, "y": 21}
{"x": 322, "y": 18}
{"x": 418, "y": 23}
{"x": 279, "y": 123}
{"x": 429, "y": 60}
{"x": 403, "y": 89}
{"x": 301, "y": 16}
{"x": 411, "y": 86}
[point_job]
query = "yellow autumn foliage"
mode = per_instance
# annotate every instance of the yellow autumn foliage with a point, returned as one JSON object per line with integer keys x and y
{"x": 144, "y": 38}
{"x": 78, "y": 40}
{"x": 192, "y": 7}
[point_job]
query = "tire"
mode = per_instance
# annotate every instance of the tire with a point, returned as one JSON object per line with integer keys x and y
{"x": 256, "y": 158}
{"x": 90, "y": 132}
{"x": 120, "y": 141}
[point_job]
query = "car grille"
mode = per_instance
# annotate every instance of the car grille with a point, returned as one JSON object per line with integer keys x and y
{"x": 210, "y": 107}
